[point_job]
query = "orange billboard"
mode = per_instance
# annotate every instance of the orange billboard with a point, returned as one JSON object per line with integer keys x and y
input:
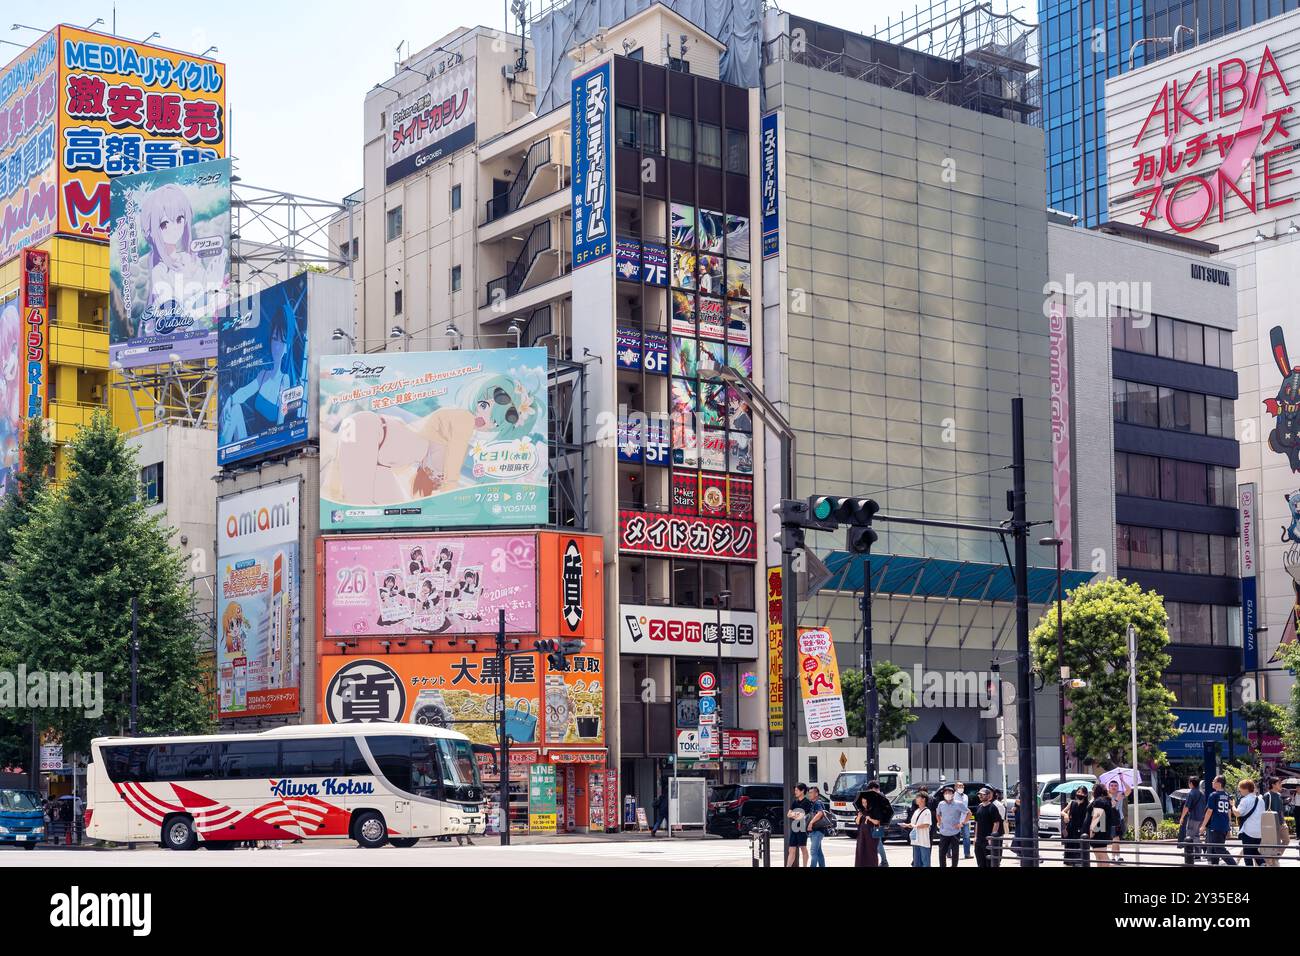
{"x": 124, "y": 108}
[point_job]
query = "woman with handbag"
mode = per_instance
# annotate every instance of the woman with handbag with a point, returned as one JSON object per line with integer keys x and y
{"x": 1249, "y": 811}
{"x": 873, "y": 810}
{"x": 1075, "y": 816}
{"x": 1100, "y": 828}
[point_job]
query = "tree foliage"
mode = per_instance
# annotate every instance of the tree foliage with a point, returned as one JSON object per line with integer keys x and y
{"x": 892, "y": 716}
{"x": 1289, "y": 656}
{"x": 1095, "y": 622}
{"x": 85, "y": 551}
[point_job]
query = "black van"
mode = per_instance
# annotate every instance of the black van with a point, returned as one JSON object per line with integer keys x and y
{"x": 737, "y": 808}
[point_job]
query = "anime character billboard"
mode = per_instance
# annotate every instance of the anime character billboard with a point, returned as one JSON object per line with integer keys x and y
{"x": 434, "y": 439}
{"x": 11, "y": 389}
{"x": 262, "y": 372}
{"x": 169, "y": 263}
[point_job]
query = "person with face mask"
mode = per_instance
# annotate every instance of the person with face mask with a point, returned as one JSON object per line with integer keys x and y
{"x": 950, "y": 817}
{"x": 961, "y": 797}
{"x": 988, "y": 822}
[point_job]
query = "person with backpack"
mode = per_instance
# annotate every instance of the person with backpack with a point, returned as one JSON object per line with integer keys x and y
{"x": 1189, "y": 823}
{"x": 874, "y": 812}
{"x": 1216, "y": 824}
{"x": 1249, "y": 812}
{"x": 1100, "y": 825}
{"x": 1276, "y": 835}
{"x": 818, "y": 825}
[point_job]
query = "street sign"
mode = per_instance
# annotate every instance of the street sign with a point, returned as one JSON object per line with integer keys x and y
{"x": 688, "y": 744}
{"x": 708, "y": 706}
{"x": 707, "y": 682}
{"x": 708, "y": 720}
{"x": 1220, "y": 700}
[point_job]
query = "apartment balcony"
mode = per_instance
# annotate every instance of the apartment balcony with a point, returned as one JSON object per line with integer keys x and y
{"x": 69, "y": 417}
{"x": 82, "y": 345}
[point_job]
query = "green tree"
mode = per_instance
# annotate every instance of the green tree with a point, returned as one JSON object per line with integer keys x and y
{"x": 893, "y": 698}
{"x": 1289, "y": 656}
{"x": 25, "y": 488}
{"x": 1095, "y": 622}
{"x": 87, "y": 549}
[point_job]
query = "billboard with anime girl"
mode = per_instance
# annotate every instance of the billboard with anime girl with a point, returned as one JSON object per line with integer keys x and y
{"x": 11, "y": 389}
{"x": 433, "y": 439}
{"x": 169, "y": 263}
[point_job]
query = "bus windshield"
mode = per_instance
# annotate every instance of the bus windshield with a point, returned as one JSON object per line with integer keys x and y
{"x": 459, "y": 769}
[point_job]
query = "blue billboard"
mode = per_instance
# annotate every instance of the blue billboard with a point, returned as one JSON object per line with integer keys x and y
{"x": 593, "y": 188}
{"x": 1193, "y": 728}
{"x": 770, "y": 153}
{"x": 262, "y": 372}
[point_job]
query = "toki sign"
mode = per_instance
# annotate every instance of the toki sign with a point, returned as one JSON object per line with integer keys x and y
{"x": 1213, "y": 142}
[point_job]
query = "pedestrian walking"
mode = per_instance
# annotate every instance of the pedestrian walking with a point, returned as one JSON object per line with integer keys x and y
{"x": 873, "y": 812}
{"x": 998, "y": 840}
{"x": 1189, "y": 822}
{"x": 1075, "y": 814}
{"x": 950, "y": 816}
{"x": 1100, "y": 825}
{"x": 1216, "y": 824}
{"x": 918, "y": 827}
{"x": 961, "y": 797}
{"x": 799, "y": 813}
{"x": 1274, "y": 830}
{"x": 1249, "y": 811}
{"x": 1118, "y": 797}
{"x": 818, "y": 823}
{"x": 988, "y": 821}
{"x": 661, "y": 810}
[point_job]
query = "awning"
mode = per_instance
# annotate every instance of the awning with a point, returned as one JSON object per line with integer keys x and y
{"x": 944, "y": 578}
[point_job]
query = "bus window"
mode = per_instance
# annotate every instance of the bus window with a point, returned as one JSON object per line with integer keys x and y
{"x": 311, "y": 758}
{"x": 393, "y": 757}
{"x": 458, "y": 766}
{"x": 425, "y": 773}
{"x": 125, "y": 764}
{"x": 249, "y": 759}
{"x": 181, "y": 762}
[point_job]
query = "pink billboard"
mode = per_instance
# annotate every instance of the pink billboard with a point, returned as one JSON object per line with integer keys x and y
{"x": 430, "y": 584}
{"x": 1059, "y": 370}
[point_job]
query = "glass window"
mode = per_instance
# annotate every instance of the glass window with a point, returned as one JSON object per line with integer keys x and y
{"x": 741, "y": 582}
{"x": 1123, "y": 558}
{"x": 1119, "y": 400}
{"x": 710, "y": 145}
{"x": 455, "y": 278}
{"x": 1169, "y": 552}
{"x": 651, "y": 138}
{"x": 1165, "y": 337}
{"x": 311, "y": 758}
{"x": 1194, "y": 625}
{"x": 1141, "y": 336}
{"x": 1195, "y": 343}
{"x": 1218, "y": 561}
{"x": 1191, "y": 483}
{"x": 1168, "y": 480}
{"x": 151, "y": 481}
{"x": 1142, "y": 405}
{"x": 1144, "y": 476}
{"x": 737, "y": 152}
{"x": 686, "y": 583}
{"x": 181, "y": 762}
{"x": 393, "y": 221}
{"x": 681, "y": 144}
{"x": 1212, "y": 347}
{"x": 393, "y": 757}
{"x": 1168, "y": 411}
{"x": 1229, "y": 410}
{"x": 715, "y": 581}
{"x": 625, "y": 126}
{"x": 455, "y": 197}
{"x": 248, "y": 759}
{"x": 1225, "y": 348}
{"x": 1196, "y": 413}
{"x": 1121, "y": 473}
{"x": 1213, "y": 415}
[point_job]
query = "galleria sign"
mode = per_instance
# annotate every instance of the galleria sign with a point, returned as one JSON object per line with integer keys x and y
{"x": 1215, "y": 141}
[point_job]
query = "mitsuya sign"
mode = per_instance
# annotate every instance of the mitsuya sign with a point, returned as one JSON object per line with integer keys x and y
{"x": 1208, "y": 137}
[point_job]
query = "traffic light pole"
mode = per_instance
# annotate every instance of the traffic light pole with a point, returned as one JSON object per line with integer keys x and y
{"x": 870, "y": 693}
{"x": 1027, "y": 817}
{"x": 502, "y": 736}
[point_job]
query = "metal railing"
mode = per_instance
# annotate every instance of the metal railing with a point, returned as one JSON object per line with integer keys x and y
{"x": 1083, "y": 853}
{"x": 538, "y": 155}
{"x": 503, "y": 287}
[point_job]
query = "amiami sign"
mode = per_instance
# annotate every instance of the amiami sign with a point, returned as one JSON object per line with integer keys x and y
{"x": 1215, "y": 141}
{"x": 258, "y": 518}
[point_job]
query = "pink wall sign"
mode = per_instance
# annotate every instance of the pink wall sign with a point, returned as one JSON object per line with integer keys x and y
{"x": 430, "y": 584}
{"x": 1059, "y": 366}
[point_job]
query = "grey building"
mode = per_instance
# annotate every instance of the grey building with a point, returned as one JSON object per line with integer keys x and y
{"x": 903, "y": 313}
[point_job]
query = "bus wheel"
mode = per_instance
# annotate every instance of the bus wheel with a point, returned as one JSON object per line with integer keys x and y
{"x": 369, "y": 830}
{"x": 404, "y": 842}
{"x": 178, "y": 833}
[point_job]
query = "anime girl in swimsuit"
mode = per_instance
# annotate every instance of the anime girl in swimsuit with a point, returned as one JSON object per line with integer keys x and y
{"x": 376, "y": 452}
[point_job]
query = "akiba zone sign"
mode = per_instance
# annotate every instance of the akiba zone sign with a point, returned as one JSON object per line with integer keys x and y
{"x": 1214, "y": 142}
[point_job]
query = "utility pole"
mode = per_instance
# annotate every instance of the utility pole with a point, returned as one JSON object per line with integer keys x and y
{"x": 870, "y": 693}
{"x": 1027, "y": 817}
{"x": 1063, "y": 672}
{"x": 135, "y": 663}
{"x": 502, "y": 736}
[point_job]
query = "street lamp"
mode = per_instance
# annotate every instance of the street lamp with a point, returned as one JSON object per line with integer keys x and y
{"x": 1064, "y": 672}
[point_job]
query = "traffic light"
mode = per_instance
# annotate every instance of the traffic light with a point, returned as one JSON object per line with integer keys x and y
{"x": 838, "y": 511}
{"x": 861, "y": 539}
{"x": 796, "y": 520}
{"x": 557, "y": 651}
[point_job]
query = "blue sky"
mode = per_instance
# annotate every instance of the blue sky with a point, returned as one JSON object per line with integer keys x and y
{"x": 298, "y": 72}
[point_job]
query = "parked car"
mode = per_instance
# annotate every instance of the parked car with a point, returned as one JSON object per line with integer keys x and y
{"x": 902, "y": 802}
{"x": 22, "y": 821}
{"x": 736, "y": 809}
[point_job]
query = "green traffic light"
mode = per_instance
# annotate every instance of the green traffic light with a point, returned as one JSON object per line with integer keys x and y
{"x": 822, "y": 510}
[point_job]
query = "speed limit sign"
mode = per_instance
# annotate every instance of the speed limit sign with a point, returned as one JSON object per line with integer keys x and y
{"x": 707, "y": 681}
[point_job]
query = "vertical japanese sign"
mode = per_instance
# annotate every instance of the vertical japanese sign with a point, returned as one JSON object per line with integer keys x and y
{"x": 769, "y": 198}
{"x": 775, "y": 650}
{"x": 1248, "y": 502}
{"x": 819, "y": 687}
{"x": 127, "y": 108}
{"x": 433, "y": 122}
{"x": 35, "y": 294}
{"x": 593, "y": 190}
{"x": 169, "y": 263}
{"x": 28, "y": 134}
{"x": 1058, "y": 357}
{"x": 542, "y": 813}
{"x": 12, "y": 380}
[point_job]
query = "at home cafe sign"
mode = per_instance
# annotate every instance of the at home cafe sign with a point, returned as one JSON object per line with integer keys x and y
{"x": 1214, "y": 142}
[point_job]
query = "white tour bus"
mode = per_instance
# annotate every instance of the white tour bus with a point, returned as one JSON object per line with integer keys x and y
{"x": 374, "y": 783}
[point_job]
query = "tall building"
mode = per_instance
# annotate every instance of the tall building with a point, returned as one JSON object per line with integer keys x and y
{"x": 78, "y": 108}
{"x": 1238, "y": 200}
{"x": 1084, "y": 43}
{"x": 1152, "y": 480}
{"x": 903, "y": 312}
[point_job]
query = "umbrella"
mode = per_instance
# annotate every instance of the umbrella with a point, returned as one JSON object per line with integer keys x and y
{"x": 1074, "y": 785}
{"x": 1123, "y": 777}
